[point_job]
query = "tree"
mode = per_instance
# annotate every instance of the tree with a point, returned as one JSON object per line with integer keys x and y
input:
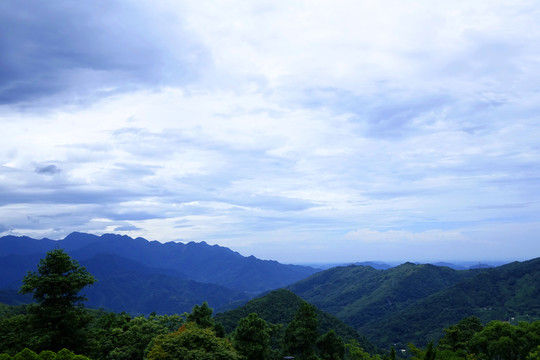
{"x": 252, "y": 338}
{"x": 192, "y": 342}
{"x": 354, "y": 351}
{"x": 58, "y": 321}
{"x": 301, "y": 334}
{"x": 331, "y": 346}
{"x": 501, "y": 340}
{"x": 457, "y": 337}
{"x": 201, "y": 315}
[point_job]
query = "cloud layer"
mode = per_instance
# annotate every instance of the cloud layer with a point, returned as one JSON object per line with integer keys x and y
{"x": 294, "y": 131}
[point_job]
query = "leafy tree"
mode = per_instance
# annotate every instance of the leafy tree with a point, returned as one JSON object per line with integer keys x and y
{"x": 122, "y": 337}
{"x": 27, "y": 354}
{"x": 353, "y": 351}
{"x": 331, "y": 346}
{"x": 252, "y": 338}
{"x": 501, "y": 340}
{"x": 429, "y": 353}
{"x": 194, "y": 343}
{"x": 47, "y": 355}
{"x": 301, "y": 334}
{"x": 534, "y": 354}
{"x": 201, "y": 315}
{"x": 457, "y": 337}
{"x": 14, "y": 333}
{"x": 58, "y": 320}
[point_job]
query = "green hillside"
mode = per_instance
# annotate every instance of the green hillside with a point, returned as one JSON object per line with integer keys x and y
{"x": 279, "y": 307}
{"x": 359, "y": 295}
{"x": 510, "y": 293}
{"x": 413, "y": 303}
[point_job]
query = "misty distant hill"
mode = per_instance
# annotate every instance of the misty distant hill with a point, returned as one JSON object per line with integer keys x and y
{"x": 141, "y": 276}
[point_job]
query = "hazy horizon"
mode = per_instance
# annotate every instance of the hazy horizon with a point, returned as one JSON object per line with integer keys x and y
{"x": 292, "y": 131}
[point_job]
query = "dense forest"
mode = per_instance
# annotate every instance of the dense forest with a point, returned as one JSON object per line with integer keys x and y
{"x": 280, "y": 324}
{"x": 415, "y": 302}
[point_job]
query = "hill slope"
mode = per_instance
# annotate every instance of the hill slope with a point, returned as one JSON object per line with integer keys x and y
{"x": 413, "y": 303}
{"x": 506, "y": 292}
{"x": 279, "y": 307}
{"x": 361, "y": 294}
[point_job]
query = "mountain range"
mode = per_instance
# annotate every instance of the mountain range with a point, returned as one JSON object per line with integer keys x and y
{"x": 390, "y": 306}
{"x": 141, "y": 276}
{"x": 413, "y": 303}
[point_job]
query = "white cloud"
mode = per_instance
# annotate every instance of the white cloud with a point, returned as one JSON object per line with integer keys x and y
{"x": 267, "y": 125}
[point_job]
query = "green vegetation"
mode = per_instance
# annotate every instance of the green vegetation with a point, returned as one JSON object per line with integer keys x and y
{"x": 279, "y": 307}
{"x": 27, "y": 354}
{"x": 252, "y": 338}
{"x": 413, "y": 303}
{"x": 192, "y": 341}
{"x": 301, "y": 334}
{"x": 271, "y": 327}
{"x": 57, "y": 321}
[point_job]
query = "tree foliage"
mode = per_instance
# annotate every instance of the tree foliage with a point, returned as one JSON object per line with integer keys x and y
{"x": 252, "y": 338}
{"x": 57, "y": 281}
{"x": 457, "y": 337}
{"x": 57, "y": 320}
{"x": 301, "y": 334}
{"x": 331, "y": 346}
{"x": 27, "y": 354}
{"x": 501, "y": 340}
{"x": 192, "y": 342}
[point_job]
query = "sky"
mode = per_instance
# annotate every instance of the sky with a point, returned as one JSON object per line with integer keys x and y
{"x": 298, "y": 131}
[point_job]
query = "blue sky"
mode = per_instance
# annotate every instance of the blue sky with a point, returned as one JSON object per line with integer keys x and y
{"x": 300, "y": 131}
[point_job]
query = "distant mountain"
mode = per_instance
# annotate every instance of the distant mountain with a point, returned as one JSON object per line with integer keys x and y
{"x": 140, "y": 276}
{"x": 197, "y": 261}
{"x": 374, "y": 264}
{"x": 413, "y": 303}
{"x": 127, "y": 285}
{"x": 451, "y": 265}
{"x": 279, "y": 307}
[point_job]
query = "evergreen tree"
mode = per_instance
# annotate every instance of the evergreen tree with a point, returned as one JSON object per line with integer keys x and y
{"x": 331, "y": 346}
{"x": 201, "y": 315}
{"x": 301, "y": 334}
{"x": 58, "y": 320}
{"x": 252, "y": 338}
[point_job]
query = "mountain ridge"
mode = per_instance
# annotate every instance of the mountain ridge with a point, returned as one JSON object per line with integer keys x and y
{"x": 141, "y": 276}
{"x": 414, "y": 302}
{"x": 199, "y": 261}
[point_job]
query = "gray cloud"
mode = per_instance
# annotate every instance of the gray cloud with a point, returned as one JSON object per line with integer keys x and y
{"x": 88, "y": 49}
{"x": 47, "y": 170}
{"x": 280, "y": 136}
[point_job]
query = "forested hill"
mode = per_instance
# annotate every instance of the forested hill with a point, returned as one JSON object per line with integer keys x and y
{"x": 413, "y": 303}
{"x": 140, "y": 276}
{"x": 280, "y": 306}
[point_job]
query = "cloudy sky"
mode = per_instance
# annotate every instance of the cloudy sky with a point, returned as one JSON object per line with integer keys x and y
{"x": 300, "y": 131}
